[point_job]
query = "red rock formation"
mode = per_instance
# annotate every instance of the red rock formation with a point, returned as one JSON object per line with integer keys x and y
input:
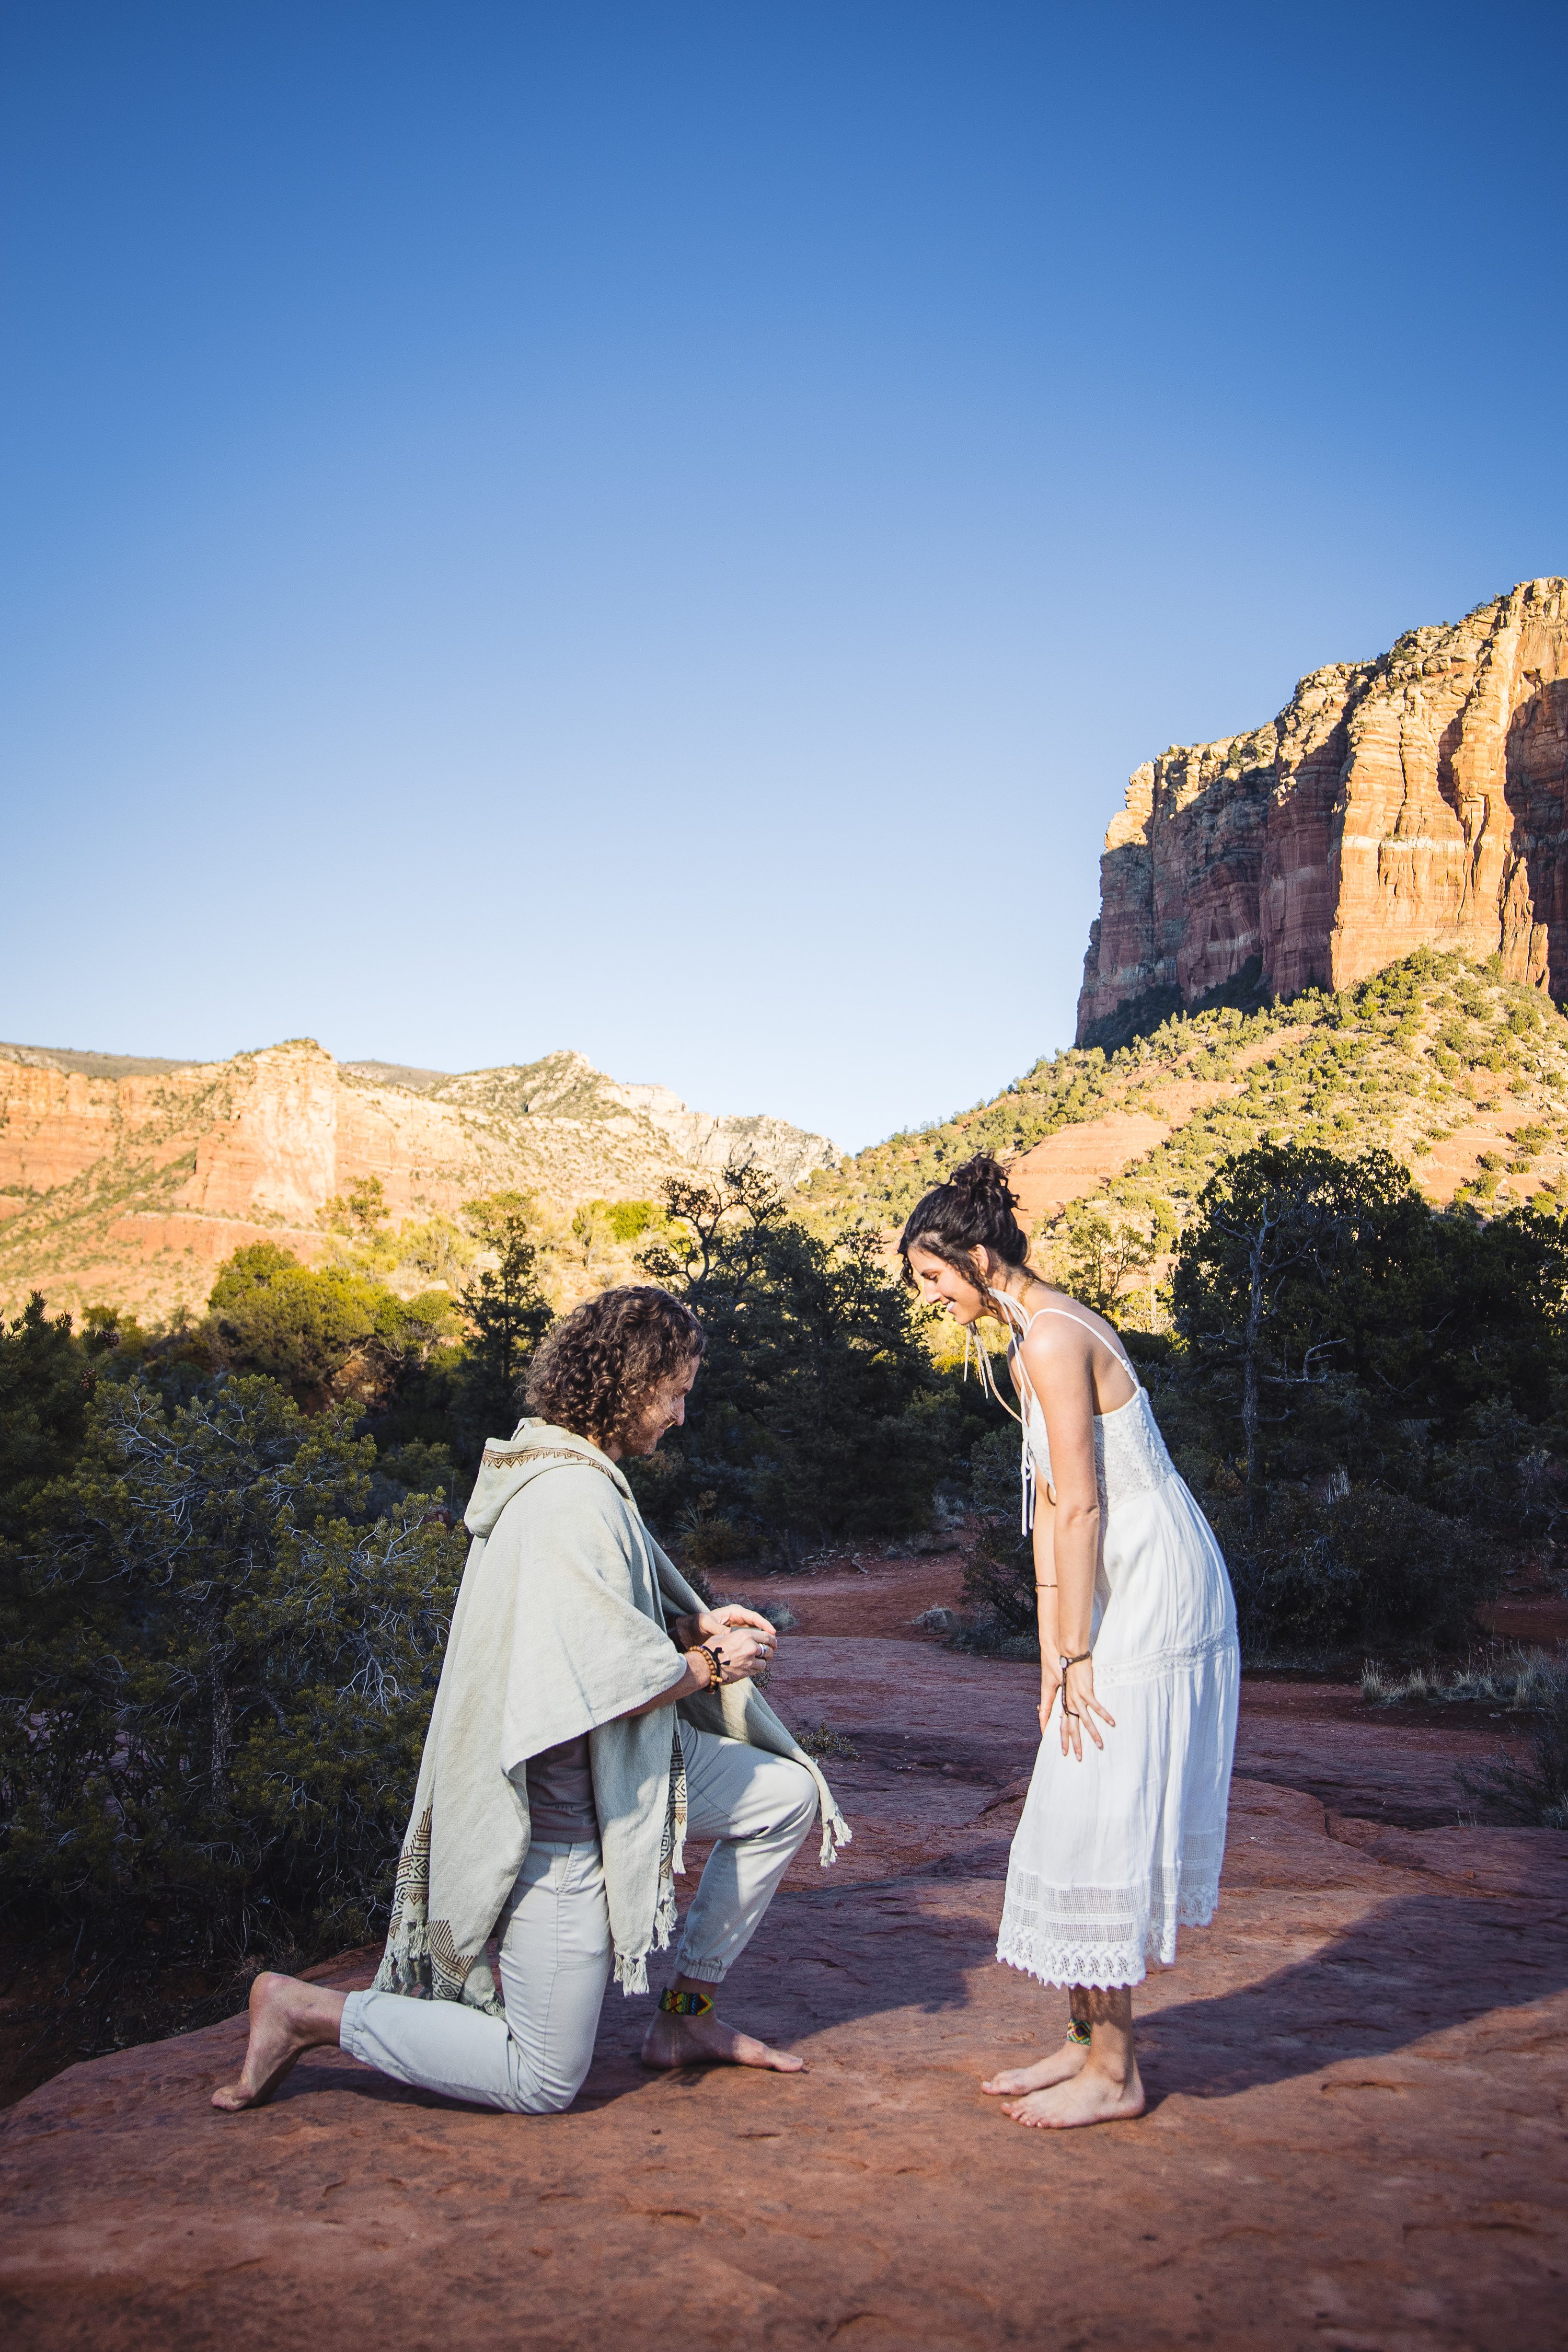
{"x": 132, "y": 1185}
{"x": 1417, "y": 800}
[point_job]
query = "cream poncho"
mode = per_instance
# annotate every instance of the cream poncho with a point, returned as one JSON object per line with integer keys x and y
{"x": 559, "y": 1629}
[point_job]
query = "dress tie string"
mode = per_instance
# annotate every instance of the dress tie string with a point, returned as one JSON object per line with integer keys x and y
{"x": 988, "y": 1382}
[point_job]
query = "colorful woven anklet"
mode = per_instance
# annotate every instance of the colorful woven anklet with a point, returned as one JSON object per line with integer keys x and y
{"x": 684, "y": 2004}
{"x": 1080, "y": 2033}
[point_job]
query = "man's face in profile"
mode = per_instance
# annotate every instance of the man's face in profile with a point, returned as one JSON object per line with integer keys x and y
{"x": 665, "y": 1408}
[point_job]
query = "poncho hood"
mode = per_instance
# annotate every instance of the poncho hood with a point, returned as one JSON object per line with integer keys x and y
{"x": 509, "y": 1463}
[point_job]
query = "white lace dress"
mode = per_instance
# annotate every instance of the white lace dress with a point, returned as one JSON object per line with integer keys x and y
{"x": 1114, "y": 1853}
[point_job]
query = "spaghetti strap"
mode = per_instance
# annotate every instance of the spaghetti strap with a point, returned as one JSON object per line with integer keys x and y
{"x": 1068, "y": 1316}
{"x": 1026, "y": 1397}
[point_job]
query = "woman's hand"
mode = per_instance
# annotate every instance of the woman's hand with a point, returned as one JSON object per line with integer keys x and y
{"x": 1079, "y": 1707}
{"x": 1050, "y": 1685}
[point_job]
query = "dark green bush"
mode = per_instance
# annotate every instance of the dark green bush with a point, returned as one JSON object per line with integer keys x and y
{"x": 1533, "y": 1792}
{"x": 1360, "y": 1569}
{"x": 999, "y": 1573}
{"x": 1336, "y": 1332}
{"x": 215, "y": 1672}
{"x": 47, "y": 1381}
{"x": 319, "y": 1332}
{"x": 818, "y": 1415}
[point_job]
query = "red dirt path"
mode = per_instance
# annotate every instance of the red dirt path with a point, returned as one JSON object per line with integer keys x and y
{"x": 1358, "y": 2081}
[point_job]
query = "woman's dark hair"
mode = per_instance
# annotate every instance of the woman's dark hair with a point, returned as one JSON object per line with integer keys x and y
{"x": 596, "y": 1370}
{"x": 974, "y": 1210}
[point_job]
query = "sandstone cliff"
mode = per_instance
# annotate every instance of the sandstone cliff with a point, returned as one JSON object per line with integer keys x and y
{"x": 1417, "y": 800}
{"x": 130, "y": 1180}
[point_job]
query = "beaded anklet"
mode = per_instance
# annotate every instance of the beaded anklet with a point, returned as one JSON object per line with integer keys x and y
{"x": 684, "y": 2004}
{"x": 1078, "y": 2033}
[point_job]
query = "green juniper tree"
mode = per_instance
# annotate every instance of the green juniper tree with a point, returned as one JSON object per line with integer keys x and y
{"x": 321, "y": 1333}
{"x": 47, "y": 1381}
{"x": 817, "y": 1413}
{"x": 215, "y": 1672}
{"x": 1396, "y": 1379}
{"x": 509, "y": 1316}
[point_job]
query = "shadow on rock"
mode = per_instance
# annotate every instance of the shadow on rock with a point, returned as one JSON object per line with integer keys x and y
{"x": 1414, "y": 1967}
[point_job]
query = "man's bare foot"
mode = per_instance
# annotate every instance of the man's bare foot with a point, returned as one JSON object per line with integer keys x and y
{"x": 1088, "y": 2097}
{"x": 1060, "y": 2067}
{"x": 286, "y": 2018}
{"x": 707, "y": 2040}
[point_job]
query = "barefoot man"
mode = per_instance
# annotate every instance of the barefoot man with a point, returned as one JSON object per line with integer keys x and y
{"x": 570, "y": 1754}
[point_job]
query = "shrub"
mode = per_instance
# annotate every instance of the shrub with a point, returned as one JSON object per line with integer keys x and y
{"x": 817, "y": 1413}
{"x": 1359, "y": 1569}
{"x": 509, "y": 1314}
{"x": 46, "y": 1383}
{"x": 317, "y": 1332}
{"x": 215, "y": 1672}
{"x": 999, "y": 1574}
{"x": 1533, "y": 1793}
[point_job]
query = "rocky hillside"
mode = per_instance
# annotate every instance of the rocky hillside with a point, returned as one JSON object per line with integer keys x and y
{"x": 129, "y": 1180}
{"x": 1420, "y": 799}
{"x": 1459, "y": 1071}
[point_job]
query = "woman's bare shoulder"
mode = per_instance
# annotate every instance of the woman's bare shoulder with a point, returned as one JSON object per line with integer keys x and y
{"x": 1062, "y": 1329}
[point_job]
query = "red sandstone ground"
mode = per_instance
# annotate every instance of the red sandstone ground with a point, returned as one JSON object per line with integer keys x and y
{"x": 1357, "y": 2082}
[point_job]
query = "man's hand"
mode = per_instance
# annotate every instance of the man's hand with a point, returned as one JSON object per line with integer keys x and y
{"x": 719, "y": 1621}
{"x": 745, "y": 1642}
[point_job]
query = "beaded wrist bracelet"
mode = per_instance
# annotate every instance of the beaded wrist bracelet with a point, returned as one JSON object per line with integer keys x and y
{"x": 715, "y": 1665}
{"x": 684, "y": 2004}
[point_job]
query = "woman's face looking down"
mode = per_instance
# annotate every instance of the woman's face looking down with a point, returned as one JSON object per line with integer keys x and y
{"x": 942, "y": 1284}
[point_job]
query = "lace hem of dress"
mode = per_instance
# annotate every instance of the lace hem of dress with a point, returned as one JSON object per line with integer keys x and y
{"x": 1076, "y": 1951}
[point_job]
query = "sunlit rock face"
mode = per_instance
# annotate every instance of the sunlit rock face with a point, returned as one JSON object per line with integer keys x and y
{"x": 130, "y": 1181}
{"x": 1417, "y": 800}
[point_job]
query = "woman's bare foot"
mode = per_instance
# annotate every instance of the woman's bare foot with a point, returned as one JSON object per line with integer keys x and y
{"x": 286, "y": 2018}
{"x": 1091, "y": 2097}
{"x": 707, "y": 2040}
{"x": 1060, "y": 2067}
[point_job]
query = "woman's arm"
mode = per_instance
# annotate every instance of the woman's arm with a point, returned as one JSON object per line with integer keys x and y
{"x": 1046, "y": 1599}
{"x": 1059, "y": 1364}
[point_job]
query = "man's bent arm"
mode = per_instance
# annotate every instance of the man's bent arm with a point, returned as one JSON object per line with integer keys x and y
{"x": 692, "y": 1680}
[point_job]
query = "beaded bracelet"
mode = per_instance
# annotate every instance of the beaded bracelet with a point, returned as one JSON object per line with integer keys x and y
{"x": 715, "y": 1665}
{"x": 684, "y": 2004}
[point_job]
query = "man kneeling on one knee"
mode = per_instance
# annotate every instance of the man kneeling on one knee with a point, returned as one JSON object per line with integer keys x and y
{"x": 569, "y": 1756}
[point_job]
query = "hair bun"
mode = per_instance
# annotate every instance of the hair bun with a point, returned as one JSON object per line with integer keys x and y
{"x": 972, "y": 1209}
{"x": 983, "y": 1181}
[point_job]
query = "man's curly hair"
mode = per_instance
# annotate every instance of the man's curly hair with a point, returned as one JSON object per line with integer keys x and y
{"x": 596, "y": 1370}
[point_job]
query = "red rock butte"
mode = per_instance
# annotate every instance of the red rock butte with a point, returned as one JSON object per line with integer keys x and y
{"x": 1417, "y": 800}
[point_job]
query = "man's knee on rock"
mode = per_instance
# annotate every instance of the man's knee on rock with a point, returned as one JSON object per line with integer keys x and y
{"x": 549, "y": 2100}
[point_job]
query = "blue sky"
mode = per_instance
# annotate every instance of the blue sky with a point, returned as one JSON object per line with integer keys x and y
{"x": 665, "y": 529}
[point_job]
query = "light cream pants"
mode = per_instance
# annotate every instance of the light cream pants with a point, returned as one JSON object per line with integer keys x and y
{"x": 555, "y": 1948}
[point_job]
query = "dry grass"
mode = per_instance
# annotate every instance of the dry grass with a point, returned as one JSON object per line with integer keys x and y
{"x": 1521, "y": 1680}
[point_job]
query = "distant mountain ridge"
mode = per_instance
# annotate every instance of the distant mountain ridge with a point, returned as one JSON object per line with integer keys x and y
{"x": 129, "y": 1180}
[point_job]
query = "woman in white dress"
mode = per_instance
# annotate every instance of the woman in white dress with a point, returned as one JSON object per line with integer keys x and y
{"x": 1123, "y": 1830}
